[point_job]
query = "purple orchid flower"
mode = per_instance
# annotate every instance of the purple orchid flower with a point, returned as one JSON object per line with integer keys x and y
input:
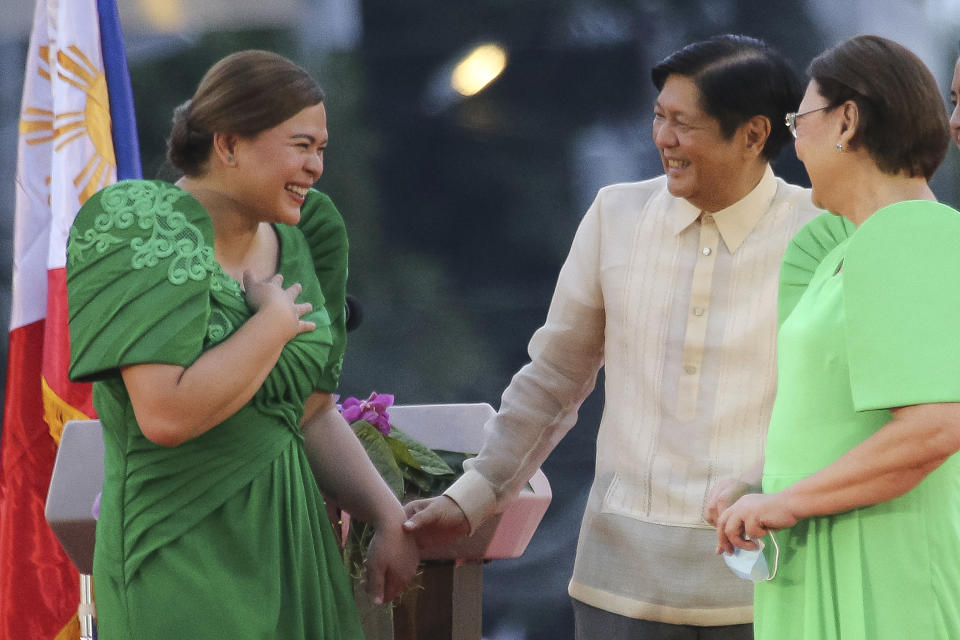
{"x": 373, "y": 410}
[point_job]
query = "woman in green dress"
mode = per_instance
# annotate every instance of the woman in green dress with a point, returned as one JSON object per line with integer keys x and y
{"x": 861, "y": 487}
{"x": 210, "y": 315}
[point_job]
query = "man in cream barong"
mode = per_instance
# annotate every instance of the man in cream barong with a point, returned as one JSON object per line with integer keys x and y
{"x": 671, "y": 286}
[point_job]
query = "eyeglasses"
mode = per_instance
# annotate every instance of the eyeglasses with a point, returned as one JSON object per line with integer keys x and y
{"x": 791, "y": 118}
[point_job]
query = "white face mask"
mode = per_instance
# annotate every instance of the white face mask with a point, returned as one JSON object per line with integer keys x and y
{"x": 752, "y": 564}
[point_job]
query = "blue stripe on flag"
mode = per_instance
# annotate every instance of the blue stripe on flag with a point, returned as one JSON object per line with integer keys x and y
{"x": 124, "y": 120}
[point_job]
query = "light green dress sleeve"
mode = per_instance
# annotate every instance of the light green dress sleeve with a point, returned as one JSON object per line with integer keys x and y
{"x": 901, "y": 285}
{"x": 804, "y": 254}
{"x": 139, "y": 260}
{"x": 326, "y": 235}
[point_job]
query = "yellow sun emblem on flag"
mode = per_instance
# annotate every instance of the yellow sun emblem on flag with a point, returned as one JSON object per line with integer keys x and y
{"x": 39, "y": 126}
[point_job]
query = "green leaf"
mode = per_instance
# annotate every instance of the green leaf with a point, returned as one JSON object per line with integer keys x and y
{"x": 381, "y": 454}
{"x": 429, "y": 461}
{"x": 454, "y": 459}
{"x": 420, "y": 484}
{"x": 401, "y": 452}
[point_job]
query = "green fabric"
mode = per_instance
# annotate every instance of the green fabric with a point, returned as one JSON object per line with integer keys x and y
{"x": 322, "y": 226}
{"x": 805, "y": 253}
{"x": 226, "y": 535}
{"x": 875, "y": 328}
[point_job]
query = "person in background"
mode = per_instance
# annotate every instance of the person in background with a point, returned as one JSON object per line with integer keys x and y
{"x": 210, "y": 315}
{"x": 955, "y": 101}
{"x": 671, "y": 286}
{"x": 861, "y": 487}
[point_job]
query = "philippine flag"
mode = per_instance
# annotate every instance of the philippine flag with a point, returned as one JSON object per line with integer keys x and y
{"x": 77, "y": 135}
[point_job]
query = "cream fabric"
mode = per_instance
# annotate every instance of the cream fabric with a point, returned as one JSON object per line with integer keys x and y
{"x": 680, "y": 308}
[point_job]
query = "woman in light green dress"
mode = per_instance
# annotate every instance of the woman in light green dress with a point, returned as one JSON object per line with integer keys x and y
{"x": 861, "y": 487}
{"x": 210, "y": 315}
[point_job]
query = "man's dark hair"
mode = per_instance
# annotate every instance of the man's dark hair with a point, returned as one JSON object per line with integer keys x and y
{"x": 738, "y": 78}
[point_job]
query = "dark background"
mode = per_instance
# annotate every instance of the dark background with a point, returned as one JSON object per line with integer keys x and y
{"x": 460, "y": 211}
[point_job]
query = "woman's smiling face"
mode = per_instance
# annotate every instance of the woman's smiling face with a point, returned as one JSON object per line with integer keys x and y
{"x": 280, "y": 164}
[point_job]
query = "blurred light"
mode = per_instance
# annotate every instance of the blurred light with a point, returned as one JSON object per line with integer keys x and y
{"x": 478, "y": 69}
{"x": 163, "y": 15}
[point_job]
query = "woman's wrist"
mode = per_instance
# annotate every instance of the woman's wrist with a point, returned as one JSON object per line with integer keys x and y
{"x": 795, "y": 502}
{"x": 390, "y": 517}
{"x": 270, "y": 325}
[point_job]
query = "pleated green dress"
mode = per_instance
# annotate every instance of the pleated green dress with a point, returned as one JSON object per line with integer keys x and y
{"x": 224, "y": 536}
{"x": 872, "y": 324}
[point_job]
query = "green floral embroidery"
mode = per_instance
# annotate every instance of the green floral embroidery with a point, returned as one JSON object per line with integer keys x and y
{"x": 91, "y": 237}
{"x": 150, "y": 206}
{"x": 218, "y": 326}
{"x": 221, "y": 282}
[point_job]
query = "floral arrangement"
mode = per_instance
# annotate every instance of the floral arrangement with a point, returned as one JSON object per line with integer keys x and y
{"x": 410, "y": 469}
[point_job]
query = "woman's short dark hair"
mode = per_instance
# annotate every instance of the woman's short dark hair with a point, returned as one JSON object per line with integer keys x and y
{"x": 902, "y": 122}
{"x": 243, "y": 94}
{"x": 738, "y": 78}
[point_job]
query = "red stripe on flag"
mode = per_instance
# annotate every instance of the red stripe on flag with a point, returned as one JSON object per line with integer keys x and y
{"x": 56, "y": 352}
{"x": 38, "y": 585}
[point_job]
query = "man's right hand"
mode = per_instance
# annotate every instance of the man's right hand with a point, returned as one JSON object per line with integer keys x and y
{"x": 722, "y": 495}
{"x": 435, "y": 521}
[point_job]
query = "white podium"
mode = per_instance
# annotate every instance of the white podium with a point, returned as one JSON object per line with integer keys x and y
{"x": 74, "y": 485}
{"x": 450, "y": 606}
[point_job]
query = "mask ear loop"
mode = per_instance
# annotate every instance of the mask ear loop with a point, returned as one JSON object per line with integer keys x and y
{"x": 776, "y": 556}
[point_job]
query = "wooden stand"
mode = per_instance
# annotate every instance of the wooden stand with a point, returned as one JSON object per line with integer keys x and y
{"x": 449, "y": 605}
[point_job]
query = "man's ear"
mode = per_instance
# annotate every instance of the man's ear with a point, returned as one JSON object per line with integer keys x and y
{"x": 755, "y": 132}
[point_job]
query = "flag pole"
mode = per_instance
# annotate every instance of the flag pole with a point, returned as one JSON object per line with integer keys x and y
{"x": 87, "y": 612}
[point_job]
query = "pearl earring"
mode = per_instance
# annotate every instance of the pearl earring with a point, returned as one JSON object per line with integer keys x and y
{"x": 839, "y": 146}
{"x": 230, "y": 158}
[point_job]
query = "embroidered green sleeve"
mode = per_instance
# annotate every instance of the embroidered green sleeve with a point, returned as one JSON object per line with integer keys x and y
{"x": 139, "y": 273}
{"x": 167, "y": 235}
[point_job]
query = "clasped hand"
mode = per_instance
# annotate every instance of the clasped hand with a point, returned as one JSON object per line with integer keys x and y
{"x": 435, "y": 521}
{"x": 270, "y": 296}
{"x": 391, "y": 563}
{"x": 751, "y": 517}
